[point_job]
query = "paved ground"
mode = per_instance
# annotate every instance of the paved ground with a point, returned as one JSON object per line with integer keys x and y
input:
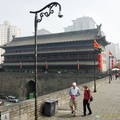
{"x": 105, "y": 106}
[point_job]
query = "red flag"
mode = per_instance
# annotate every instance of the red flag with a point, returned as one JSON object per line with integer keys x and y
{"x": 20, "y": 65}
{"x": 46, "y": 65}
{"x": 96, "y": 44}
{"x": 110, "y": 53}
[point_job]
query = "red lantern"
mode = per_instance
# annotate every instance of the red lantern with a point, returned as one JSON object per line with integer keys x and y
{"x": 119, "y": 65}
{"x": 99, "y": 56}
{"x": 112, "y": 63}
{"x": 99, "y": 61}
{"x": 100, "y": 66}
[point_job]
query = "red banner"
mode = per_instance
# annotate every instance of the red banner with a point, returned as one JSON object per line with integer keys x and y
{"x": 20, "y": 65}
{"x": 46, "y": 65}
{"x": 78, "y": 66}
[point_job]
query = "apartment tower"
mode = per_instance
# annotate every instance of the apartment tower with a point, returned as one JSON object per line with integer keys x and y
{"x": 7, "y": 31}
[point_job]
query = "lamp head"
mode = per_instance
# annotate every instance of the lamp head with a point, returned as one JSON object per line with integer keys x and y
{"x": 60, "y": 14}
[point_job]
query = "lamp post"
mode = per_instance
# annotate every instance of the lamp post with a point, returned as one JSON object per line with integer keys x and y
{"x": 36, "y": 21}
{"x": 0, "y": 115}
{"x": 95, "y": 50}
{"x": 94, "y": 73}
{"x": 109, "y": 68}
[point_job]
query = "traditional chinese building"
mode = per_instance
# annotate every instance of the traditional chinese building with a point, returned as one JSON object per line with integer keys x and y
{"x": 64, "y": 52}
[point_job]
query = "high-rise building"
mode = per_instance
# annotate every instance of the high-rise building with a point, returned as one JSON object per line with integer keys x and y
{"x": 82, "y": 23}
{"x": 7, "y": 31}
{"x": 115, "y": 50}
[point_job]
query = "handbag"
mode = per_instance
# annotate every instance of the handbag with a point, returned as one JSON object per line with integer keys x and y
{"x": 73, "y": 96}
{"x": 91, "y": 99}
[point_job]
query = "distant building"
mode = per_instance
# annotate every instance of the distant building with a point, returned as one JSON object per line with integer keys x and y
{"x": 65, "y": 52}
{"x": 7, "y": 31}
{"x": 43, "y": 32}
{"x": 82, "y": 23}
{"x": 115, "y": 50}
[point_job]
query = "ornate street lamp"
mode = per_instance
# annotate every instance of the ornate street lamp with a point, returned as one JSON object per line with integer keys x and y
{"x": 36, "y": 21}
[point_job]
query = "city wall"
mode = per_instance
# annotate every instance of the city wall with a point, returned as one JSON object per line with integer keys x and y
{"x": 21, "y": 85}
{"x": 25, "y": 109}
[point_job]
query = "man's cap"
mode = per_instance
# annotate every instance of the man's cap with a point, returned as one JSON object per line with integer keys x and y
{"x": 74, "y": 84}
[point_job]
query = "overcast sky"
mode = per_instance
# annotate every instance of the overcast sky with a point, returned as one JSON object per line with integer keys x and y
{"x": 105, "y": 12}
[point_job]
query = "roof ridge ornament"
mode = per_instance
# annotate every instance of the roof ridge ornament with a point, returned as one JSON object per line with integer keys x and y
{"x": 99, "y": 30}
{"x": 13, "y": 37}
{"x": 99, "y": 26}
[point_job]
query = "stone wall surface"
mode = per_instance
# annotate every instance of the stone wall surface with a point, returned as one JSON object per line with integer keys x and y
{"x": 16, "y": 84}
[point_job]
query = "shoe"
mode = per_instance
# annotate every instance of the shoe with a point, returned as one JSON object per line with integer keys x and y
{"x": 89, "y": 113}
{"x": 72, "y": 111}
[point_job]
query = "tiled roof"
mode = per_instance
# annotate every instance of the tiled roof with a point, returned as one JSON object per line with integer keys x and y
{"x": 90, "y": 34}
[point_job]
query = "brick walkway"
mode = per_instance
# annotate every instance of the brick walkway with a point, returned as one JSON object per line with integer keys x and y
{"x": 105, "y": 106}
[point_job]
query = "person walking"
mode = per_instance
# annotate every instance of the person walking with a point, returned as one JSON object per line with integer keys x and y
{"x": 86, "y": 100}
{"x": 116, "y": 75}
{"x": 74, "y": 93}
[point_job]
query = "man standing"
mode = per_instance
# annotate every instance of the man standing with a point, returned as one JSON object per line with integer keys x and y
{"x": 74, "y": 93}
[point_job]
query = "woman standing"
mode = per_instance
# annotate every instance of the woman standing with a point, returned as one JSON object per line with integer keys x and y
{"x": 86, "y": 100}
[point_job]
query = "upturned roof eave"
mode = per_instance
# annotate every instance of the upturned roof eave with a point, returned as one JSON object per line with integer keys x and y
{"x": 103, "y": 37}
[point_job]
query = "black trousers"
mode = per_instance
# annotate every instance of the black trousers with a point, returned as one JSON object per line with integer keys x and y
{"x": 86, "y": 104}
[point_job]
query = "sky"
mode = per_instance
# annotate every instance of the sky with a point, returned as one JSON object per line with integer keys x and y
{"x": 105, "y": 12}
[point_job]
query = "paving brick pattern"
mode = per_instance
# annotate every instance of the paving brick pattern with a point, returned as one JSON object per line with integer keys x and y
{"x": 105, "y": 106}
